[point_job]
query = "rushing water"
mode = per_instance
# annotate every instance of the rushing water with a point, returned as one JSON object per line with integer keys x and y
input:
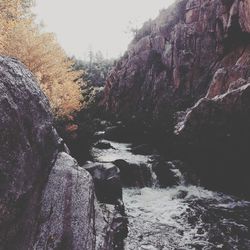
{"x": 117, "y": 152}
{"x": 181, "y": 217}
{"x": 186, "y": 218}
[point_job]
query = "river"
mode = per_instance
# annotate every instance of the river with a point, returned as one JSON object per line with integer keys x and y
{"x": 179, "y": 217}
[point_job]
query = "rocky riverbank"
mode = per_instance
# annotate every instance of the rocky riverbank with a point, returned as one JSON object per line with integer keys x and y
{"x": 165, "y": 205}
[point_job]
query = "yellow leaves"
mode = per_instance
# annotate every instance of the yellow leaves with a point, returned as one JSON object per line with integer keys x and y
{"x": 20, "y": 37}
{"x": 64, "y": 97}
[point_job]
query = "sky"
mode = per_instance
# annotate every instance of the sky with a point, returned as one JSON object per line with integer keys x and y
{"x": 97, "y": 25}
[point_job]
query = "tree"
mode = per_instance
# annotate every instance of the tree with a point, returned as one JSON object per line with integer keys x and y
{"x": 95, "y": 69}
{"x": 20, "y": 37}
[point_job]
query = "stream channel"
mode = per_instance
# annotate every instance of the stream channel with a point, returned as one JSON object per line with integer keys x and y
{"x": 181, "y": 216}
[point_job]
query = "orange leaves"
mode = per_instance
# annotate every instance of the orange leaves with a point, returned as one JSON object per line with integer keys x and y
{"x": 20, "y": 37}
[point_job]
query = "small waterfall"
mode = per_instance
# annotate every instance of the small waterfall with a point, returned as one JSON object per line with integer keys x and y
{"x": 154, "y": 179}
{"x": 166, "y": 213}
{"x": 178, "y": 174}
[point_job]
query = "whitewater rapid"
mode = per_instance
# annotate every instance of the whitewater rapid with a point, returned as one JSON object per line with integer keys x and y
{"x": 181, "y": 217}
{"x": 185, "y": 217}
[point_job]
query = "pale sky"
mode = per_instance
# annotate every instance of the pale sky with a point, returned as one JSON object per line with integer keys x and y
{"x": 101, "y": 25}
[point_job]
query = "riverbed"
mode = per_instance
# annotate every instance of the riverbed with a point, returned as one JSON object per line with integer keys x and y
{"x": 182, "y": 216}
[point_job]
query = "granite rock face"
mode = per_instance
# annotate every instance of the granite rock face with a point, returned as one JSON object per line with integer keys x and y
{"x": 171, "y": 61}
{"x": 28, "y": 145}
{"x": 46, "y": 200}
{"x": 67, "y": 215}
{"x": 214, "y": 140}
{"x": 70, "y": 217}
{"x": 214, "y": 133}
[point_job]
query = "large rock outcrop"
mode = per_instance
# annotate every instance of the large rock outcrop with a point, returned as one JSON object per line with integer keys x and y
{"x": 106, "y": 177}
{"x": 214, "y": 134}
{"x": 171, "y": 61}
{"x": 214, "y": 139}
{"x": 46, "y": 200}
{"x": 28, "y": 145}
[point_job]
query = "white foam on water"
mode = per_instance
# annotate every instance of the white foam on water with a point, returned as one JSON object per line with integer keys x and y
{"x": 155, "y": 215}
{"x": 154, "y": 179}
{"x": 158, "y": 217}
{"x": 120, "y": 151}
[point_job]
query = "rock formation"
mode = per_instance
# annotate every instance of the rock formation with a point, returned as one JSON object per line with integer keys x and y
{"x": 215, "y": 139}
{"x": 214, "y": 133}
{"x": 46, "y": 200}
{"x": 194, "y": 60}
{"x": 106, "y": 177}
{"x": 171, "y": 61}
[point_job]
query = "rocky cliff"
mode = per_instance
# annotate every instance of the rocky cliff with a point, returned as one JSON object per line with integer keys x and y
{"x": 172, "y": 60}
{"x": 46, "y": 200}
{"x": 214, "y": 134}
{"x": 194, "y": 58}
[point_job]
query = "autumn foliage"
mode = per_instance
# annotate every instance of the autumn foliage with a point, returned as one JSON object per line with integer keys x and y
{"x": 20, "y": 37}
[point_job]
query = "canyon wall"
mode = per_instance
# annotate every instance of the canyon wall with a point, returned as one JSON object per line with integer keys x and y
{"x": 193, "y": 63}
{"x": 172, "y": 60}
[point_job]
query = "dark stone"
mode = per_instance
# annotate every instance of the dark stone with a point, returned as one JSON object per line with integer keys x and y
{"x": 133, "y": 175}
{"x": 68, "y": 197}
{"x": 107, "y": 181}
{"x": 116, "y": 133}
{"x": 181, "y": 194}
{"x": 164, "y": 173}
{"x": 117, "y": 226}
{"x": 143, "y": 149}
{"x": 103, "y": 145}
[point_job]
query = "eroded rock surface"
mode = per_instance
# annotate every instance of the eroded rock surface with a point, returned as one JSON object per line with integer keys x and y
{"x": 214, "y": 133}
{"x": 28, "y": 145}
{"x": 46, "y": 200}
{"x": 107, "y": 181}
{"x": 68, "y": 205}
{"x": 171, "y": 61}
{"x": 215, "y": 140}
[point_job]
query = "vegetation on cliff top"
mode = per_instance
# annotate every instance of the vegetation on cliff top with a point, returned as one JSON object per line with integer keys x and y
{"x": 22, "y": 38}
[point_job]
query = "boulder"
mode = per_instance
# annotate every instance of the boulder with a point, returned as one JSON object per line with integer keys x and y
{"x": 103, "y": 145}
{"x": 165, "y": 175}
{"x": 70, "y": 217}
{"x": 134, "y": 175}
{"x": 28, "y": 146}
{"x": 67, "y": 216}
{"x": 107, "y": 181}
{"x": 116, "y": 229}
